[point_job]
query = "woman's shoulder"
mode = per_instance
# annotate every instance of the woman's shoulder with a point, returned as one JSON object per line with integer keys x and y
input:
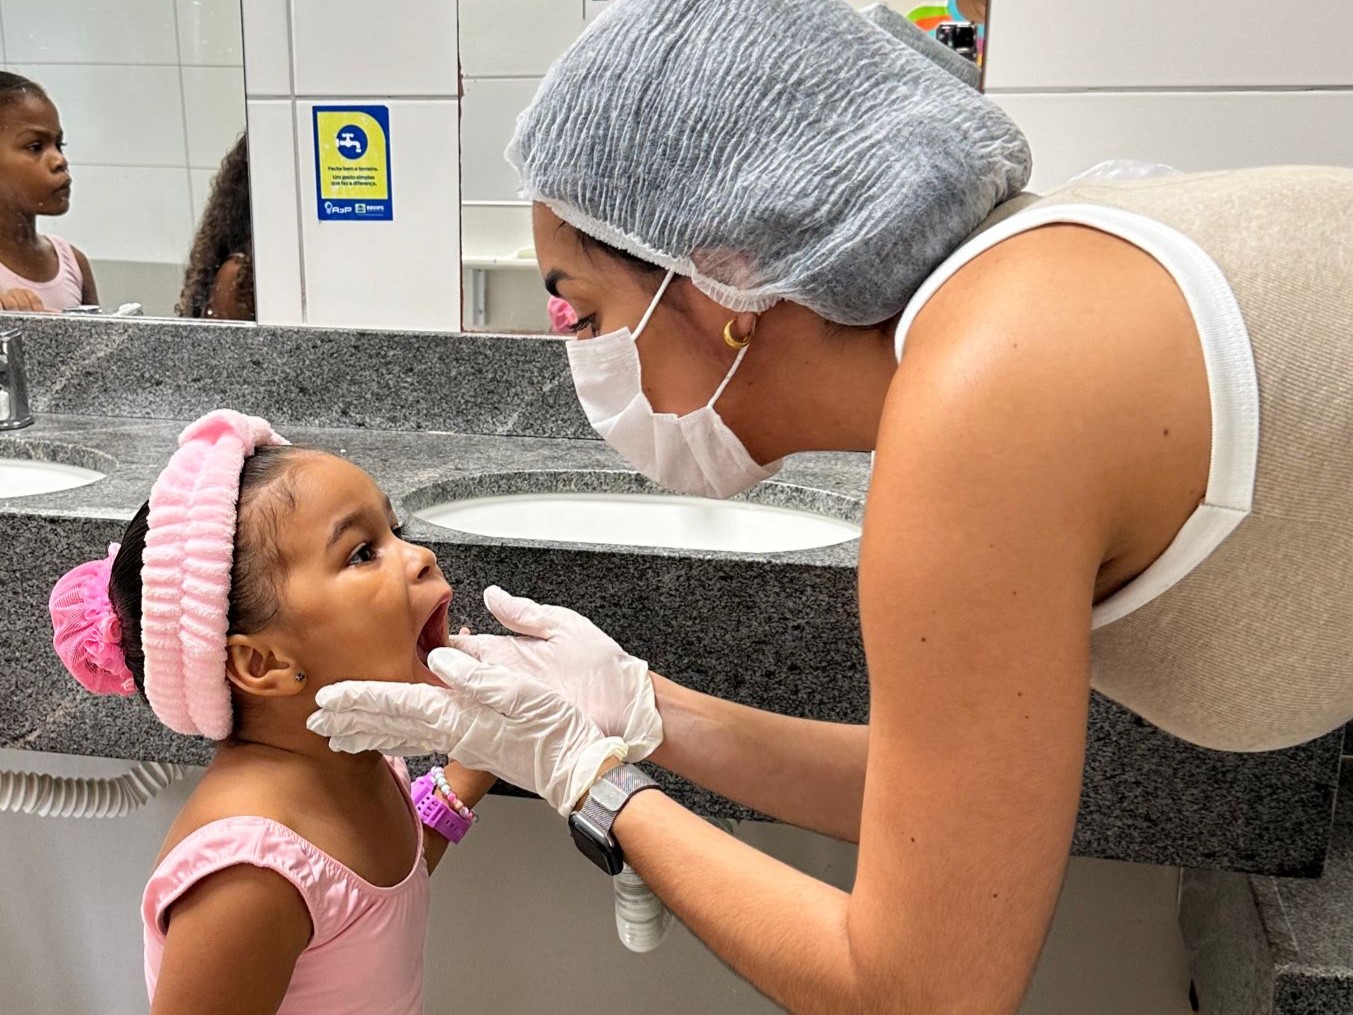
{"x": 1081, "y": 346}
{"x": 1057, "y": 285}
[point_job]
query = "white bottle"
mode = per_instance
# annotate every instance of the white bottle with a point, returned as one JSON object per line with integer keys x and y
{"x": 640, "y": 917}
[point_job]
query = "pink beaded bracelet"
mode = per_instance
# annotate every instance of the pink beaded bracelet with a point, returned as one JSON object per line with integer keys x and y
{"x": 439, "y": 777}
{"x": 436, "y": 813}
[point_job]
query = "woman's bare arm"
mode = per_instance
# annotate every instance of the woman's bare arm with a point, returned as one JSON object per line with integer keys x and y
{"x": 800, "y": 771}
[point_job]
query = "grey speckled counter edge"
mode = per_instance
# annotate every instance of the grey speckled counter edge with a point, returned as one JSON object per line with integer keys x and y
{"x": 317, "y": 377}
{"x": 1274, "y": 946}
{"x": 775, "y": 630}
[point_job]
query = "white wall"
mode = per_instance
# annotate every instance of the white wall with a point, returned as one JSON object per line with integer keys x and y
{"x": 522, "y": 923}
{"x": 151, "y": 97}
{"x": 1201, "y": 87}
{"x": 401, "y": 54}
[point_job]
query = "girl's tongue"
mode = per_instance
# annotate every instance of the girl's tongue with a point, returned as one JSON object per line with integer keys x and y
{"x": 434, "y": 634}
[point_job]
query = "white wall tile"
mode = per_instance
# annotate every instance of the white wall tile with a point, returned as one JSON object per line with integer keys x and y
{"x": 214, "y": 100}
{"x": 267, "y": 48}
{"x": 210, "y": 34}
{"x": 1038, "y": 44}
{"x": 1190, "y": 131}
{"x": 348, "y": 47}
{"x": 399, "y": 274}
{"x": 90, "y": 31}
{"x": 128, "y": 213}
{"x": 199, "y": 188}
{"x": 515, "y": 38}
{"x": 274, "y": 203}
{"x": 116, "y": 115}
{"x": 488, "y": 112}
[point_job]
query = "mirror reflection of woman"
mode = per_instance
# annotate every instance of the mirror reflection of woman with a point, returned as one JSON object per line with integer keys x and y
{"x": 219, "y": 281}
{"x": 37, "y": 272}
{"x": 1113, "y": 449}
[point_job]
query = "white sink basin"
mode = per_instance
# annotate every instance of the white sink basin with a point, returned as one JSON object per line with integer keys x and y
{"x": 22, "y": 477}
{"x": 638, "y": 519}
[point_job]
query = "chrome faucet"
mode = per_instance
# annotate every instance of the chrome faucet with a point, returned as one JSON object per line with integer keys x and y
{"x": 14, "y": 395}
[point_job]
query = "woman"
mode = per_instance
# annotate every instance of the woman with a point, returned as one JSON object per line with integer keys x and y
{"x": 780, "y": 201}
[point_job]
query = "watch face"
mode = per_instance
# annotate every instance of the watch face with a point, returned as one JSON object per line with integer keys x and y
{"x": 595, "y": 844}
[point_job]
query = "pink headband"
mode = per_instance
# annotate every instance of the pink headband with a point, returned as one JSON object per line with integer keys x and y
{"x": 185, "y": 583}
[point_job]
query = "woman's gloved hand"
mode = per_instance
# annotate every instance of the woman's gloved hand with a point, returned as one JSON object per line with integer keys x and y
{"x": 582, "y": 663}
{"x": 487, "y": 717}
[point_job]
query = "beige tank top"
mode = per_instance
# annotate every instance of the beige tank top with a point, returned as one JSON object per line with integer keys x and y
{"x": 1239, "y": 636}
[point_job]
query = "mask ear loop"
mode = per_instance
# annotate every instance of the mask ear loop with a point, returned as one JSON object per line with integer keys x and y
{"x": 643, "y": 322}
{"x": 737, "y": 362}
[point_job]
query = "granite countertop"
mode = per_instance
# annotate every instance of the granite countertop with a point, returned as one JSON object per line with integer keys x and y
{"x": 775, "y": 630}
{"x": 1280, "y": 946}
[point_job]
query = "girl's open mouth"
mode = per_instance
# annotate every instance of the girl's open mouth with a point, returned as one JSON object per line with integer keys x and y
{"x": 434, "y": 634}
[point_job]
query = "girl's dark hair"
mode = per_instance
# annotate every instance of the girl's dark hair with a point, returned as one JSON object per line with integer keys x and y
{"x": 258, "y": 563}
{"x": 14, "y": 87}
{"x": 225, "y": 231}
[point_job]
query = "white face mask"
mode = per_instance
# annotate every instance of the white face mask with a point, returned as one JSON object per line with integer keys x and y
{"x": 695, "y": 454}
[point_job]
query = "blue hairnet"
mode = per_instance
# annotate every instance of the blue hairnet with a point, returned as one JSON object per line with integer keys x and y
{"x": 768, "y": 149}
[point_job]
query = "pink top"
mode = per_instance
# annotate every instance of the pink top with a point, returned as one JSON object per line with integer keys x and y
{"x": 366, "y": 953}
{"x": 65, "y": 290}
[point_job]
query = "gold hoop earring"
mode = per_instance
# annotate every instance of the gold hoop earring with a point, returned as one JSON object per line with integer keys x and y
{"x": 737, "y": 343}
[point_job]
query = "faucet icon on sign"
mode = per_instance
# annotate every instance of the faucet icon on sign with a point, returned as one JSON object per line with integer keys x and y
{"x": 351, "y": 141}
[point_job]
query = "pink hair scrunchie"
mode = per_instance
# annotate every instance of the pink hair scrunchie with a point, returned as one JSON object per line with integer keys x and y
{"x": 185, "y": 571}
{"x": 86, "y": 633}
{"x": 563, "y": 318}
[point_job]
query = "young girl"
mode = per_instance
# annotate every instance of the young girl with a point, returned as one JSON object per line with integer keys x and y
{"x": 36, "y": 272}
{"x": 295, "y": 879}
{"x": 219, "y": 281}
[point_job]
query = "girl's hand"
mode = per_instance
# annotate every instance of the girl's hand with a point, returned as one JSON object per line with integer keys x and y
{"x": 579, "y": 661}
{"x": 24, "y": 300}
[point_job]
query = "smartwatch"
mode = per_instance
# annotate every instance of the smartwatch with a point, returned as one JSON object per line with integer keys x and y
{"x": 591, "y": 826}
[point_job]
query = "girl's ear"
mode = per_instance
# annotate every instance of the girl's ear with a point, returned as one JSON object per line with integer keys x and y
{"x": 255, "y": 666}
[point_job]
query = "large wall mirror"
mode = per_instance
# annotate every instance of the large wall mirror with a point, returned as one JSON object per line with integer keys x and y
{"x": 505, "y": 48}
{"x": 150, "y": 97}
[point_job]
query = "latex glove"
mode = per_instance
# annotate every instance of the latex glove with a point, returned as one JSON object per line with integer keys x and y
{"x": 488, "y": 717}
{"x": 580, "y": 661}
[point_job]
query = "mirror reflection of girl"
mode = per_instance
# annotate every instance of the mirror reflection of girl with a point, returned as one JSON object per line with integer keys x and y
{"x": 219, "y": 282}
{"x": 37, "y": 272}
{"x": 294, "y": 880}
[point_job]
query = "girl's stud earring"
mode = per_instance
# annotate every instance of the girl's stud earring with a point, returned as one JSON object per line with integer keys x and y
{"x": 300, "y": 678}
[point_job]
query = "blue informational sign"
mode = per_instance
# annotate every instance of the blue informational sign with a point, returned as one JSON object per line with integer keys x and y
{"x": 352, "y": 163}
